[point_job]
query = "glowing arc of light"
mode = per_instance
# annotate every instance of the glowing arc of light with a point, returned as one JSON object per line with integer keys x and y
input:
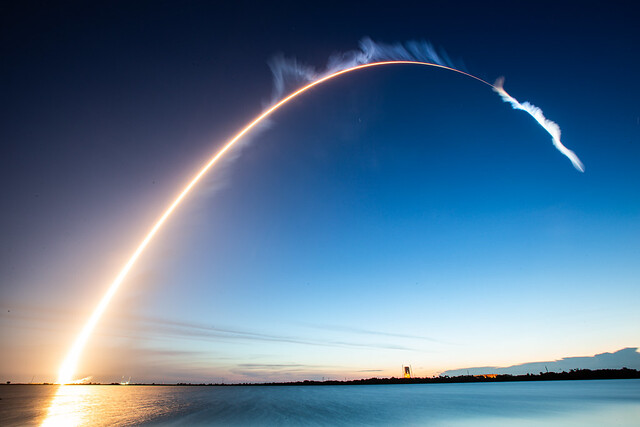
{"x": 68, "y": 367}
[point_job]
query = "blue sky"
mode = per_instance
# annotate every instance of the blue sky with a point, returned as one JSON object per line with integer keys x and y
{"x": 398, "y": 215}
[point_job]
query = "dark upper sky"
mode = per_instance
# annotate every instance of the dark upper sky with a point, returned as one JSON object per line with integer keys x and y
{"x": 107, "y": 109}
{"x": 76, "y": 76}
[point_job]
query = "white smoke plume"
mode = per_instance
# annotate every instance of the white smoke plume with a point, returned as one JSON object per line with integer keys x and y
{"x": 287, "y": 70}
{"x": 290, "y": 71}
{"x": 85, "y": 380}
{"x": 536, "y": 113}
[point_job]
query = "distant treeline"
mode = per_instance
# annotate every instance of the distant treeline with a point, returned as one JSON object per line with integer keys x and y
{"x": 574, "y": 374}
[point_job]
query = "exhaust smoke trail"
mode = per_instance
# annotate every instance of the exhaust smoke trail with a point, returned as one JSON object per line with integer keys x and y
{"x": 536, "y": 113}
{"x": 414, "y": 53}
{"x": 417, "y": 51}
{"x": 289, "y": 70}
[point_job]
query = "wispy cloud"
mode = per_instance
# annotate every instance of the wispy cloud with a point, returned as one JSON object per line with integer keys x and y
{"x": 152, "y": 327}
{"x": 179, "y": 329}
{"x": 144, "y": 327}
{"x": 362, "y": 331}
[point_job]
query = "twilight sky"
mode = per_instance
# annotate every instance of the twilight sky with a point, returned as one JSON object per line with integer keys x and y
{"x": 396, "y": 215}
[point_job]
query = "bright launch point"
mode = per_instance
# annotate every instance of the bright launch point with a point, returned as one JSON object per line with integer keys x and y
{"x": 68, "y": 368}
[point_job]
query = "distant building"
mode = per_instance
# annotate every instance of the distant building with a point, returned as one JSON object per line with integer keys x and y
{"x": 406, "y": 371}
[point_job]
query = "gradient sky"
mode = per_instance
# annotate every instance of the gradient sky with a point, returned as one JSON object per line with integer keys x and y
{"x": 397, "y": 215}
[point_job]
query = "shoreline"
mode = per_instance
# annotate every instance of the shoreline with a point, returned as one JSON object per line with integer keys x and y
{"x": 573, "y": 375}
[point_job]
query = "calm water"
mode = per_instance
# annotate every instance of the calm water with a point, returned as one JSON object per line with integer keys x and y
{"x": 562, "y": 403}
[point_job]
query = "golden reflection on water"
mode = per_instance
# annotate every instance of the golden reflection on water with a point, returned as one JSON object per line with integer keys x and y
{"x": 70, "y": 406}
{"x": 93, "y": 405}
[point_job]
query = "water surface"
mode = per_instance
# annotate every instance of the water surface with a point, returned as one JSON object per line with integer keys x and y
{"x": 549, "y": 403}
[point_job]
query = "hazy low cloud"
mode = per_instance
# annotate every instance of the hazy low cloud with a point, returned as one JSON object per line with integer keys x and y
{"x": 270, "y": 365}
{"x": 266, "y": 372}
{"x": 625, "y": 358}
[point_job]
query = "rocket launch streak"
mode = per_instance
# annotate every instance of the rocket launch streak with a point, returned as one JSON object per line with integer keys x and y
{"x": 68, "y": 367}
